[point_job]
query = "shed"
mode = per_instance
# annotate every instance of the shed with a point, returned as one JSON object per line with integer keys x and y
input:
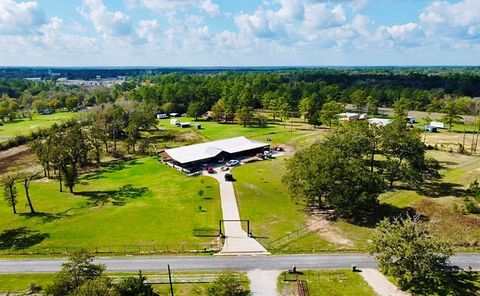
{"x": 348, "y": 116}
{"x": 184, "y": 124}
{"x": 174, "y": 121}
{"x": 380, "y": 121}
{"x": 198, "y": 126}
{"x": 437, "y": 124}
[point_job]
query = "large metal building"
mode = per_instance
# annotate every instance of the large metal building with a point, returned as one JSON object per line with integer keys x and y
{"x": 212, "y": 151}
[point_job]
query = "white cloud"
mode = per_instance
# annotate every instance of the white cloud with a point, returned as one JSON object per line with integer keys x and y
{"x": 211, "y": 8}
{"x": 160, "y": 5}
{"x": 20, "y": 17}
{"x": 106, "y": 22}
{"x": 148, "y": 30}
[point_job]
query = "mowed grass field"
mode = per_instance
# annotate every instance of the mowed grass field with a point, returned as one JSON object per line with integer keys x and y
{"x": 25, "y": 126}
{"x": 134, "y": 202}
{"x": 211, "y": 130}
{"x": 327, "y": 283}
{"x": 265, "y": 200}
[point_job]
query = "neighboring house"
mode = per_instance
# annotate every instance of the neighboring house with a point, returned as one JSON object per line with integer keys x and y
{"x": 208, "y": 115}
{"x": 348, "y": 116}
{"x": 379, "y": 121}
{"x": 437, "y": 124}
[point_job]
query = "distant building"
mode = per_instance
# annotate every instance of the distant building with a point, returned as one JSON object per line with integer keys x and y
{"x": 437, "y": 124}
{"x": 380, "y": 121}
{"x": 348, "y": 116}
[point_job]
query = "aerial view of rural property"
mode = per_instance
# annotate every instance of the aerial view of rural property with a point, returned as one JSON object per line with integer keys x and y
{"x": 240, "y": 148}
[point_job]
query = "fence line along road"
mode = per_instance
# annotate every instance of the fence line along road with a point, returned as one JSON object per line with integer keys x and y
{"x": 147, "y": 249}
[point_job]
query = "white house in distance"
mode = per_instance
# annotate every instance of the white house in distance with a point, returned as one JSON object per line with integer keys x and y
{"x": 192, "y": 155}
{"x": 437, "y": 124}
{"x": 380, "y": 121}
{"x": 347, "y": 116}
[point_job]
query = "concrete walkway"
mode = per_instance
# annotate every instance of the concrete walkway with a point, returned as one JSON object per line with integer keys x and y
{"x": 237, "y": 241}
{"x": 263, "y": 282}
{"x": 380, "y": 284}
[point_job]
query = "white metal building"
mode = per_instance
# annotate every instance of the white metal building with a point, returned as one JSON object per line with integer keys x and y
{"x": 210, "y": 151}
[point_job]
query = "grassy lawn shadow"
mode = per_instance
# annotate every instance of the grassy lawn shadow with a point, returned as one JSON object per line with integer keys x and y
{"x": 20, "y": 238}
{"x": 205, "y": 232}
{"x": 115, "y": 197}
{"x": 47, "y": 217}
{"x": 441, "y": 189}
{"x": 450, "y": 283}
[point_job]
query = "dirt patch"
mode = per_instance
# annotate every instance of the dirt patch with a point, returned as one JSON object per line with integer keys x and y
{"x": 452, "y": 225}
{"x": 17, "y": 158}
{"x": 320, "y": 223}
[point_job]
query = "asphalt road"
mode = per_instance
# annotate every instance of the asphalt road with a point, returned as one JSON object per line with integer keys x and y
{"x": 244, "y": 263}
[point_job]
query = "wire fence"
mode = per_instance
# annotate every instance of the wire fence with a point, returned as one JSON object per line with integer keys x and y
{"x": 284, "y": 240}
{"x": 190, "y": 278}
{"x": 138, "y": 249}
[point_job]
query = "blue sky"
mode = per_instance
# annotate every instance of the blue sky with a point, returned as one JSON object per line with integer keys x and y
{"x": 239, "y": 32}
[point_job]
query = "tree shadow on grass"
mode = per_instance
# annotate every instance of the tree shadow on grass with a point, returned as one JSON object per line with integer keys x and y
{"x": 109, "y": 167}
{"x": 117, "y": 197}
{"x": 384, "y": 211}
{"x": 20, "y": 238}
{"x": 449, "y": 283}
{"x": 441, "y": 189}
{"x": 48, "y": 217}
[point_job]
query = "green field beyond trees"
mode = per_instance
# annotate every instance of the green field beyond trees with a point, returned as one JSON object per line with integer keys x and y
{"x": 135, "y": 202}
{"x": 24, "y": 126}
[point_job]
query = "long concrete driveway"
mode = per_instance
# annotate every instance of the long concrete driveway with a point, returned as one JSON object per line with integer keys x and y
{"x": 240, "y": 263}
{"x": 237, "y": 241}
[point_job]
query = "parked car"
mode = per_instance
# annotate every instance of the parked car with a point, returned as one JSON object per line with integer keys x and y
{"x": 224, "y": 168}
{"x": 267, "y": 154}
{"x": 260, "y": 155}
{"x": 210, "y": 170}
{"x": 229, "y": 177}
{"x": 232, "y": 163}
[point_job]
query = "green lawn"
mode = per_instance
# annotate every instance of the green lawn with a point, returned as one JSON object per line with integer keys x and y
{"x": 212, "y": 130}
{"x": 328, "y": 283}
{"x": 134, "y": 202}
{"x": 264, "y": 200}
{"x": 24, "y": 126}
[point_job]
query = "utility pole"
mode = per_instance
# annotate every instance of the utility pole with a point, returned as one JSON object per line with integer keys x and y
{"x": 170, "y": 279}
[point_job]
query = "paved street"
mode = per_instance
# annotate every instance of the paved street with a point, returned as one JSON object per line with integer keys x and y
{"x": 243, "y": 263}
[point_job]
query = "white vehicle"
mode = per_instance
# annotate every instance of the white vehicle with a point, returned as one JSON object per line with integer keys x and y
{"x": 162, "y": 116}
{"x": 232, "y": 163}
